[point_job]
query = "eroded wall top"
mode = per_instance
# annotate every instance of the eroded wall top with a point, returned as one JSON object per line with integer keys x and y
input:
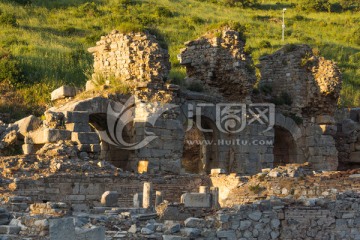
{"x": 136, "y": 59}
{"x": 311, "y": 82}
{"x": 218, "y": 61}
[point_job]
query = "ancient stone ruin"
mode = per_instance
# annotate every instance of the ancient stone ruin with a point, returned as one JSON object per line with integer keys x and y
{"x": 137, "y": 157}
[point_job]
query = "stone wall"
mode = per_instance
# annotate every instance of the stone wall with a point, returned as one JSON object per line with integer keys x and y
{"x": 83, "y": 192}
{"x": 312, "y": 83}
{"x": 134, "y": 59}
{"x": 284, "y": 219}
{"x": 348, "y": 141}
{"x": 218, "y": 61}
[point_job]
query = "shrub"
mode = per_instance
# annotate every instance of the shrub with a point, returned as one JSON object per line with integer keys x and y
{"x": 352, "y": 5}
{"x": 336, "y": 7}
{"x": 9, "y": 69}
{"x": 8, "y": 19}
{"x": 163, "y": 12}
{"x": 23, "y": 2}
{"x": 240, "y": 3}
{"x": 88, "y": 9}
{"x": 265, "y": 44}
{"x": 316, "y": 5}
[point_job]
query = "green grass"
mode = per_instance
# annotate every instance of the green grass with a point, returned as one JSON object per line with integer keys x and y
{"x": 50, "y": 38}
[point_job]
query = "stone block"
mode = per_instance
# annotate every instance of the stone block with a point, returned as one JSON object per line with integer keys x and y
{"x": 348, "y": 126}
{"x": 191, "y": 232}
{"x": 96, "y": 233}
{"x": 355, "y": 114}
{"x": 27, "y": 124}
{"x": 76, "y": 117}
{"x": 137, "y": 200}
{"x": 27, "y": 148}
{"x": 62, "y": 229}
{"x": 194, "y": 222}
{"x": 329, "y": 129}
{"x": 354, "y": 157}
{"x": 171, "y": 166}
{"x": 215, "y": 171}
{"x": 90, "y": 85}
{"x": 229, "y": 234}
{"x": 94, "y": 148}
{"x": 9, "y": 229}
{"x": 42, "y": 136}
{"x": 201, "y": 200}
{"x": 78, "y": 127}
{"x": 174, "y": 237}
{"x": 255, "y": 216}
{"x": 63, "y": 92}
{"x": 325, "y": 119}
{"x": 85, "y": 138}
{"x": 110, "y": 199}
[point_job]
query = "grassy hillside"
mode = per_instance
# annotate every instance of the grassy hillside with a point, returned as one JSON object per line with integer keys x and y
{"x": 43, "y": 44}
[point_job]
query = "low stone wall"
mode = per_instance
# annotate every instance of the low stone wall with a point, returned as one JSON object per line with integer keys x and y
{"x": 283, "y": 219}
{"x": 83, "y": 192}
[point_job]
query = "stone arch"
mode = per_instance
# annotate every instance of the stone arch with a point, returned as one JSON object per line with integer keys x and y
{"x": 200, "y": 151}
{"x": 97, "y": 109}
{"x": 287, "y": 141}
{"x": 114, "y": 154}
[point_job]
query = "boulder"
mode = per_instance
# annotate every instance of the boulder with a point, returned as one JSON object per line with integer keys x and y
{"x": 27, "y": 124}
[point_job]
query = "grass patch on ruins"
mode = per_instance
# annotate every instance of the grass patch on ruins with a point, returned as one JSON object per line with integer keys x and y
{"x": 49, "y": 39}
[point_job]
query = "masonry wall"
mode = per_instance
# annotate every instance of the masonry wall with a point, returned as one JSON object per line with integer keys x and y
{"x": 218, "y": 61}
{"x": 286, "y": 219}
{"x": 312, "y": 82}
{"x": 134, "y": 59}
{"x": 83, "y": 192}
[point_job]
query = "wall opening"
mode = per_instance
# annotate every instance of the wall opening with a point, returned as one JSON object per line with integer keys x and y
{"x": 200, "y": 151}
{"x": 114, "y": 154}
{"x": 284, "y": 147}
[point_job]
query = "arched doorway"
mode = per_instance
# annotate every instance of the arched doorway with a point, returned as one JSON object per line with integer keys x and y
{"x": 285, "y": 150}
{"x": 114, "y": 154}
{"x": 200, "y": 150}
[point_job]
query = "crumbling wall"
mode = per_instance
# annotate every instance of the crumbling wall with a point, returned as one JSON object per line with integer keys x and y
{"x": 348, "y": 141}
{"x": 312, "y": 82}
{"x": 279, "y": 219}
{"x": 218, "y": 61}
{"x": 134, "y": 59}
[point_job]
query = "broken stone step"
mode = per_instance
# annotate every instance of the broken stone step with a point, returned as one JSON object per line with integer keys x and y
{"x": 78, "y": 127}
{"x": 85, "y": 137}
{"x": 46, "y": 135}
{"x": 76, "y": 117}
